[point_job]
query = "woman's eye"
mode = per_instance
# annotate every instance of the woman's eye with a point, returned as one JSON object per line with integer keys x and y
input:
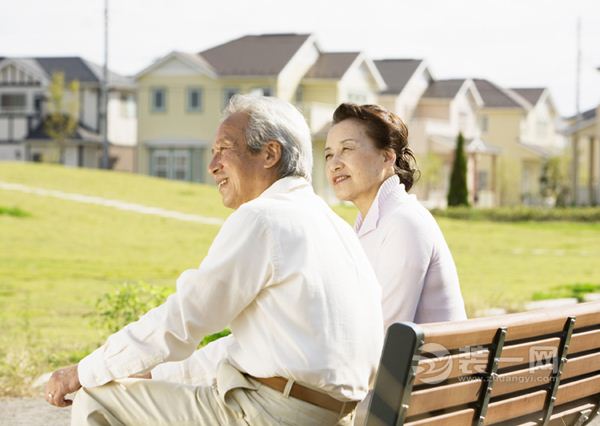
{"x": 327, "y": 157}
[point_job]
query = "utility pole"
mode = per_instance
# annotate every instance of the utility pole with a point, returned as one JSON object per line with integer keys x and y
{"x": 104, "y": 94}
{"x": 578, "y": 117}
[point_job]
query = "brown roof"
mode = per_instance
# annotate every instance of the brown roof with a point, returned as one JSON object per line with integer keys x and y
{"x": 332, "y": 65}
{"x": 531, "y": 95}
{"x": 396, "y": 73}
{"x": 444, "y": 89}
{"x": 494, "y": 96}
{"x": 254, "y": 55}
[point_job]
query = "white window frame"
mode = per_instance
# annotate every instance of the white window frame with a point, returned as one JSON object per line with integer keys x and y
{"x": 153, "y": 92}
{"x": 19, "y": 108}
{"x": 188, "y": 99}
{"x": 228, "y": 93}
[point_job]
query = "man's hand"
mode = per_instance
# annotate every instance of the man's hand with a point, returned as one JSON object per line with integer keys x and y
{"x": 61, "y": 383}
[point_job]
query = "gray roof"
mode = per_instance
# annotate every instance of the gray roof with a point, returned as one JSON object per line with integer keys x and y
{"x": 531, "y": 95}
{"x": 494, "y": 96}
{"x": 590, "y": 114}
{"x": 75, "y": 68}
{"x": 254, "y": 55}
{"x": 444, "y": 89}
{"x": 82, "y": 133}
{"x": 397, "y": 72}
{"x": 332, "y": 64}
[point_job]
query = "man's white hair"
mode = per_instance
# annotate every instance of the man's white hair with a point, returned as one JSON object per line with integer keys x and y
{"x": 273, "y": 119}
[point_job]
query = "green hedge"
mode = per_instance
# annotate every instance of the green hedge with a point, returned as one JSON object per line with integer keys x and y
{"x": 520, "y": 214}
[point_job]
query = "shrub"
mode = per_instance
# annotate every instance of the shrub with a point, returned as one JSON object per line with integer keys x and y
{"x": 577, "y": 290}
{"x": 130, "y": 301}
{"x": 13, "y": 211}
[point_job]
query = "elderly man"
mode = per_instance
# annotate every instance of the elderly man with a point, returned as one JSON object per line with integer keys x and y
{"x": 286, "y": 274}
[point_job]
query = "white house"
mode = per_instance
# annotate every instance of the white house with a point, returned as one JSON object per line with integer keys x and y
{"x": 23, "y": 105}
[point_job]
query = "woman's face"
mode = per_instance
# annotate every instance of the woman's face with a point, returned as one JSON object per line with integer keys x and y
{"x": 355, "y": 167}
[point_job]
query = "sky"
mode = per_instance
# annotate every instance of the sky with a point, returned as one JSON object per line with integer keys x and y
{"x": 515, "y": 43}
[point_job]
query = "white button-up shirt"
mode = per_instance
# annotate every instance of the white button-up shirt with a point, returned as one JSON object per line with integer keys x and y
{"x": 411, "y": 258}
{"x": 290, "y": 279}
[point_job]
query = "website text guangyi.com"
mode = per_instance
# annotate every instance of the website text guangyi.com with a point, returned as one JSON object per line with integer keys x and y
{"x": 541, "y": 380}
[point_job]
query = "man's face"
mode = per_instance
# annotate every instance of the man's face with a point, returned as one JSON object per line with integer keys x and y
{"x": 236, "y": 170}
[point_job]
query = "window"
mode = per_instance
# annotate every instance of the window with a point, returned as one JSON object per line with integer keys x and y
{"x": 171, "y": 164}
{"x": 160, "y": 163}
{"x": 484, "y": 123}
{"x": 482, "y": 180}
{"x": 38, "y": 101}
{"x": 261, "y": 91}
{"x": 228, "y": 94}
{"x": 127, "y": 105}
{"x": 358, "y": 98}
{"x": 158, "y": 100}
{"x": 13, "y": 102}
{"x": 194, "y": 99}
{"x": 181, "y": 165}
{"x": 299, "y": 95}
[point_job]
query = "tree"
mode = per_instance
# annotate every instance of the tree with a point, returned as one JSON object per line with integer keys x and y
{"x": 458, "y": 194}
{"x": 554, "y": 181}
{"x": 63, "y": 112}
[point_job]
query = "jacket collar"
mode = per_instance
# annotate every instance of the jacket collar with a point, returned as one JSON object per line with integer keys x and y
{"x": 390, "y": 186}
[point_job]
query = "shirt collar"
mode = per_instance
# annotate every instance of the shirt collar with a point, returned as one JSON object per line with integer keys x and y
{"x": 390, "y": 186}
{"x": 284, "y": 185}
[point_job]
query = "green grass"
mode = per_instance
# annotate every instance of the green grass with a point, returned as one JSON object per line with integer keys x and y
{"x": 59, "y": 259}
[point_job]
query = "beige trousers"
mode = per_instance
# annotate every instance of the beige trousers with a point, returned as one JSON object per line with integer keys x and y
{"x": 234, "y": 399}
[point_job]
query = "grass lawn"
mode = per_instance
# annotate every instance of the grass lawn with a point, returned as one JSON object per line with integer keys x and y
{"x": 57, "y": 257}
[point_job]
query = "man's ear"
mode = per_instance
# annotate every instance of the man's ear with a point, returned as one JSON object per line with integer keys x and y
{"x": 272, "y": 153}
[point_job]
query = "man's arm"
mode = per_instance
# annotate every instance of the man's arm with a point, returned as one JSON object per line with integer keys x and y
{"x": 236, "y": 268}
{"x": 200, "y": 368}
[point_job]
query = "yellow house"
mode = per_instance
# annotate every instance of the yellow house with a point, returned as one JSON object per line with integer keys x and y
{"x": 584, "y": 146}
{"x": 181, "y": 96}
{"x": 520, "y": 122}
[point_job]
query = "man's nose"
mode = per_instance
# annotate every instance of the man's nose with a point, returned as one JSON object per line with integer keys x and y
{"x": 214, "y": 165}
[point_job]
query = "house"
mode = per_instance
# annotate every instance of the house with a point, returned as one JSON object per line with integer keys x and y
{"x": 583, "y": 133}
{"x": 540, "y": 136}
{"x": 181, "y": 96}
{"x": 445, "y": 109}
{"x": 24, "y": 95}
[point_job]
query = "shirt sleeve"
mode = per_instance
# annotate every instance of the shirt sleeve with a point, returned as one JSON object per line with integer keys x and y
{"x": 200, "y": 369}
{"x": 401, "y": 268}
{"x": 239, "y": 264}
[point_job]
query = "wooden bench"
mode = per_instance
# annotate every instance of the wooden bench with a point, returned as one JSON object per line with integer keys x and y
{"x": 539, "y": 367}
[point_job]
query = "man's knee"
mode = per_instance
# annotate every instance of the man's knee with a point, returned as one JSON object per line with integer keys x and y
{"x": 87, "y": 410}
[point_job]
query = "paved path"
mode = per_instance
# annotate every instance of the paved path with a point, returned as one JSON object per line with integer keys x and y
{"x": 32, "y": 412}
{"x": 116, "y": 204}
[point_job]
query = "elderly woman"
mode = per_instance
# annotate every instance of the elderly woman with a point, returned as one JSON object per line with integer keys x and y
{"x": 369, "y": 163}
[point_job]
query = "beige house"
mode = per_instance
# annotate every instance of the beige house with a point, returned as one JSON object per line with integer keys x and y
{"x": 584, "y": 147}
{"x": 509, "y": 134}
{"x": 521, "y": 124}
{"x": 24, "y": 105}
{"x": 181, "y": 96}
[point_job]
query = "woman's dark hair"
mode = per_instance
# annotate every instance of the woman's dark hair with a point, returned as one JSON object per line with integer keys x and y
{"x": 388, "y": 131}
